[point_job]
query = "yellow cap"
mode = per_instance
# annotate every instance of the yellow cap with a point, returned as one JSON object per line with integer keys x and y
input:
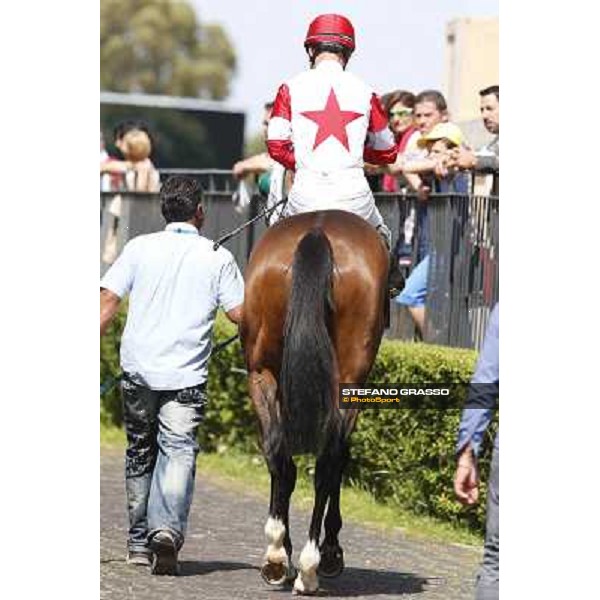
{"x": 441, "y": 131}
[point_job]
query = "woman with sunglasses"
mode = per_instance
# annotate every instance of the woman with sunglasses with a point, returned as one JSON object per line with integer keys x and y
{"x": 399, "y": 108}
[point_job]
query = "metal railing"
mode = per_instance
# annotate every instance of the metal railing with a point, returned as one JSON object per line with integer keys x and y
{"x": 463, "y": 278}
{"x": 463, "y": 234}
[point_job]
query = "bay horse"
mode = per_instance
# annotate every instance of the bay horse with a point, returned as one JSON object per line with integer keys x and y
{"x": 313, "y": 317}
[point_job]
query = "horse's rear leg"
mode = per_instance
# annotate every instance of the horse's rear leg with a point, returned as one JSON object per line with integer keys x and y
{"x": 326, "y": 469}
{"x": 277, "y": 567}
{"x": 332, "y": 555}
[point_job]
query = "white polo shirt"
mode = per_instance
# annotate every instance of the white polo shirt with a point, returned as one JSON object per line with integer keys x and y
{"x": 176, "y": 282}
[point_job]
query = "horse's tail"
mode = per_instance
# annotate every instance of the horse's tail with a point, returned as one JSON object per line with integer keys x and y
{"x": 308, "y": 359}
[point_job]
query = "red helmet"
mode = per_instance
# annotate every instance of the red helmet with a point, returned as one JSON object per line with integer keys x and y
{"x": 330, "y": 28}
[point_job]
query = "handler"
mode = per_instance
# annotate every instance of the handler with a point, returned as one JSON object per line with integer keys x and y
{"x": 175, "y": 283}
{"x": 477, "y": 415}
{"x": 325, "y": 123}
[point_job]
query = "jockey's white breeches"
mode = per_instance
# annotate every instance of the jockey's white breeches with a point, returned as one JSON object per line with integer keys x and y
{"x": 347, "y": 192}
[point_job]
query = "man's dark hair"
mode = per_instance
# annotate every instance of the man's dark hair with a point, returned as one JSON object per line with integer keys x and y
{"x": 492, "y": 89}
{"x": 332, "y": 47}
{"x": 179, "y": 198}
{"x": 269, "y": 105}
{"x": 432, "y": 96}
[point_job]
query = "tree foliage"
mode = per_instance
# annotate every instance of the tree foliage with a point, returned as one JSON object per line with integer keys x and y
{"x": 159, "y": 47}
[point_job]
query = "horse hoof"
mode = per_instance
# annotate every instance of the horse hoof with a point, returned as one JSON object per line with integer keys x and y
{"x": 332, "y": 561}
{"x": 305, "y": 588}
{"x": 296, "y": 592}
{"x": 274, "y": 573}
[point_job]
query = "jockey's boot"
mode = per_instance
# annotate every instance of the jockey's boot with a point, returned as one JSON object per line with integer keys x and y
{"x": 395, "y": 278}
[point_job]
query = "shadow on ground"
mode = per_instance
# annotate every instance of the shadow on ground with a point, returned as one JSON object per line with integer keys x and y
{"x": 355, "y": 582}
{"x": 196, "y": 567}
{"x": 371, "y": 582}
{"x": 352, "y": 582}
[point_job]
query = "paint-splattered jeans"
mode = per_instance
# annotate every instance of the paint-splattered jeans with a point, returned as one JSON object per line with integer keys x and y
{"x": 160, "y": 464}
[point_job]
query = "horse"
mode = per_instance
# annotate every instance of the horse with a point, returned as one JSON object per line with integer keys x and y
{"x": 313, "y": 317}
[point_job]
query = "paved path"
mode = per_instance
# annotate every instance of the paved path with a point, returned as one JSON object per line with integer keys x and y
{"x": 225, "y": 546}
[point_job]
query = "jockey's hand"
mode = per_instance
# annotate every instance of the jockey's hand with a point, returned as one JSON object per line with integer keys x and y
{"x": 466, "y": 478}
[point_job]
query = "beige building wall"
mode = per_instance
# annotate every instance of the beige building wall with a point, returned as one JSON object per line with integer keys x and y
{"x": 471, "y": 63}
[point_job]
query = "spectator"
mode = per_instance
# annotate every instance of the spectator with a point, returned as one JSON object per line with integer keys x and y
{"x": 136, "y": 171}
{"x": 175, "y": 283}
{"x": 271, "y": 177}
{"x": 430, "y": 110}
{"x": 439, "y": 143}
{"x": 399, "y": 106}
{"x": 111, "y": 166}
{"x": 105, "y": 177}
{"x": 142, "y": 176}
{"x": 259, "y": 163}
{"x": 486, "y": 158}
{"x": 476, "y": 417}
{"x": 123, "y": 127}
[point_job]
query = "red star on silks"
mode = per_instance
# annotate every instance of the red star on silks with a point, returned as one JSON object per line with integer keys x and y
{"x": 331, "y": 121}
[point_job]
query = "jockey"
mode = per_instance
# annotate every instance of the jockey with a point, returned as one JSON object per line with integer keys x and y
{"x": 325, "y": 124}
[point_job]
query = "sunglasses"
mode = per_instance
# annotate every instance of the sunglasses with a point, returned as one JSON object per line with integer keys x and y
{"x": 400, "y": 113}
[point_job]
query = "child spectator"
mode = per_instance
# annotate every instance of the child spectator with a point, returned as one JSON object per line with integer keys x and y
{"x": 136, "y": 171}
{"x": 439, "y": 143}
{"x": 142, "y": 176}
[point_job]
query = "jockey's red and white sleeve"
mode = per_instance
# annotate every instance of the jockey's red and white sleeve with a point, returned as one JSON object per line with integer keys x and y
{"x": 380, "y": 148}
{"x": 279, "y": 142}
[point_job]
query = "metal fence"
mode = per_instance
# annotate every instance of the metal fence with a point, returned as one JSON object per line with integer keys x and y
{"x": 463, "y": 234}
{"x": 124, "y": 215}
{"x": 463, "y": 278}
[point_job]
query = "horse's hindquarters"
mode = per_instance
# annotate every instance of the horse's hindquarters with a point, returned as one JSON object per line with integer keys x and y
{"x": 313, "y": 317}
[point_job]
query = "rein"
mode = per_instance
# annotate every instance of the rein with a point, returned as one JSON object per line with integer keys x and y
{"x": 266, "y": 212}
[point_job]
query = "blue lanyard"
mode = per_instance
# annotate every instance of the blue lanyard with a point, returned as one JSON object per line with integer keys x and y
{"x": 184, "y": 231}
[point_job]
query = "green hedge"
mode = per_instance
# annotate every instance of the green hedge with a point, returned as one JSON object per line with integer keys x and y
{"x": 111, "y": 409}
{"x": 407, "y": 456}
{"x": 403, "y": 457}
